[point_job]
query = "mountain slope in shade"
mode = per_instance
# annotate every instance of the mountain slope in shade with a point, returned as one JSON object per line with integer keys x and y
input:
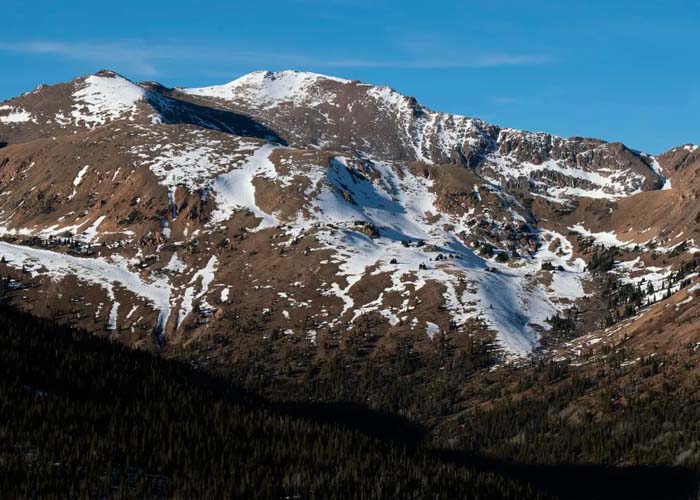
{"x": 313, "y": 206}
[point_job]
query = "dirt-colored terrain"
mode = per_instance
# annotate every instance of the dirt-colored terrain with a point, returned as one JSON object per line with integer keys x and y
{"x": 310, "y": 214}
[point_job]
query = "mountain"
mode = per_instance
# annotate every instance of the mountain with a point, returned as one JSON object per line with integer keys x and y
{"x": 526, "y": 301}
{"x": 307, "y": 208}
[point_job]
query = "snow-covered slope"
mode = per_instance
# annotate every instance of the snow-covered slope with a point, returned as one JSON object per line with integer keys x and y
{"x": 268, "y": 89}
{"x": 105, "y": 97}
{"x": 367, "y": 220}
{"x": 312, "y": 204}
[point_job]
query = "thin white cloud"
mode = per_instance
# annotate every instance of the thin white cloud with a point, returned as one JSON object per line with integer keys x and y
{"x": 145, "y": 59}
{"x": 129, "y": 56}
{"x": 453, "y": 53}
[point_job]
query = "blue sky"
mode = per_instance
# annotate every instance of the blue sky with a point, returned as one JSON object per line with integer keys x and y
{"x": 620, "y": 70}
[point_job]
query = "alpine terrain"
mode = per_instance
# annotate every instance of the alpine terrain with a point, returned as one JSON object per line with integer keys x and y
{"x": 519, "y": 295}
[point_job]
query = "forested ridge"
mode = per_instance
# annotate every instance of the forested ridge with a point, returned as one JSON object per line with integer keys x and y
{"x": 85, "y": 417}
{"x": 82, "y": 417}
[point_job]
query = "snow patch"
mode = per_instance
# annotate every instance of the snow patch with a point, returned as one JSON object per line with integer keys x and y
{"x": 15, "y": 115}
{"x": 113, "y": 314}
{"x": 176, "y": 265}
{"x": 431, "y": 329}
{"x": 105, "y": 98}
{"x": 91, "y": 270}
{"x": 205, "y": 276}
{"x": 605, "y": 238}
{"x": 235, "y": 190}
{"x": 77, "y": 180}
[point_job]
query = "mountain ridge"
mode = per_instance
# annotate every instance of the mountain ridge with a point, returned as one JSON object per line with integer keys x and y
{"x": 427, "y": 222}
{"x": 529, "y": 303}
{"x": 308, "y": 76}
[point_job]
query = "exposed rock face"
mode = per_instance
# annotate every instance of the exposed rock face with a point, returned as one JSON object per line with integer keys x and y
{"x": 305, "y": 206}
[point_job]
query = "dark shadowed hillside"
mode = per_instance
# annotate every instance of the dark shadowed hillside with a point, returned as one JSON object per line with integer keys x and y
{"x": 85, "y": 418}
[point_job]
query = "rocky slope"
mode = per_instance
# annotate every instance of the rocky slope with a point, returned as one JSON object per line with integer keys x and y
{"x": 306, "y": 208}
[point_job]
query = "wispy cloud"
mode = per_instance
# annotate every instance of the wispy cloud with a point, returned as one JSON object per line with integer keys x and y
{"x": 147, "y": 59}
{"x": 453, "y": 53}
{"x": 129, "y": 56}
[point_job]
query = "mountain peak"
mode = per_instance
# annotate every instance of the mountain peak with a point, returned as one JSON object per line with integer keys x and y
{"x": 287, "y": 75}
{"x": 268, "y": 88}
{"x": 106, "y": 96}
{"x": 108, "y": 73}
